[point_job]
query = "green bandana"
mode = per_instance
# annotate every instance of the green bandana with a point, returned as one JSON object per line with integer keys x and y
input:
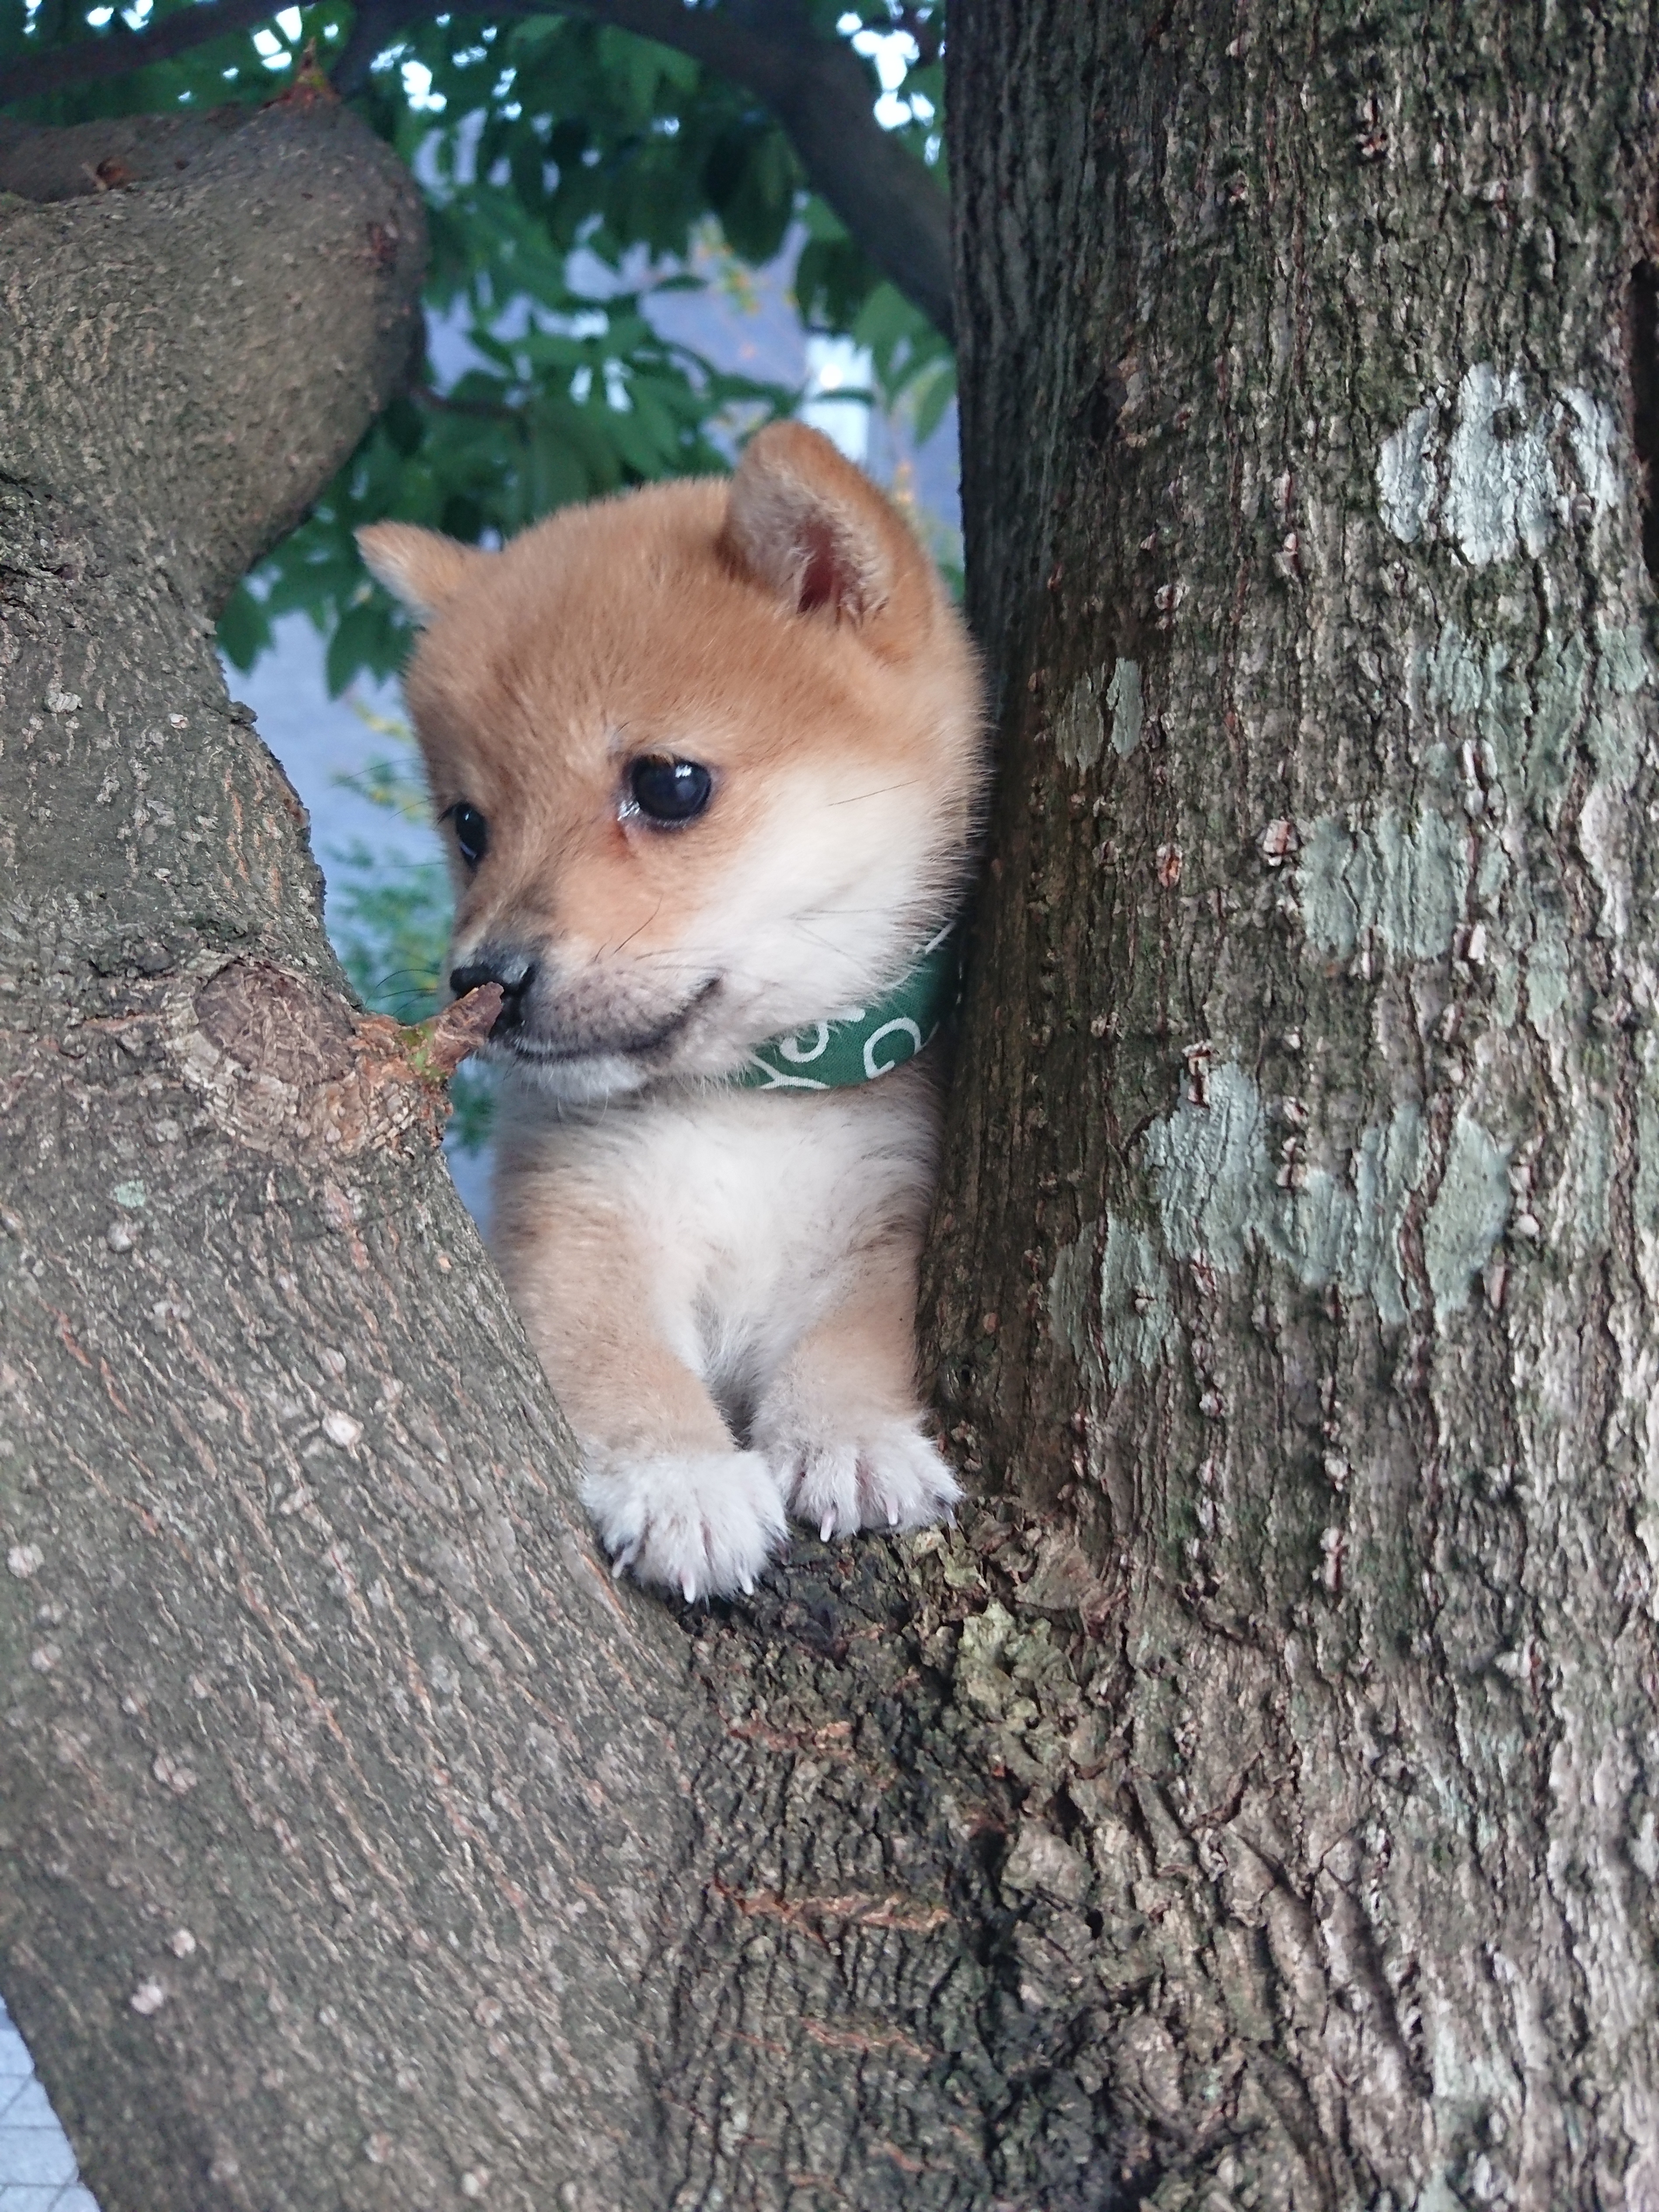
{"x": 864, "y": 1042}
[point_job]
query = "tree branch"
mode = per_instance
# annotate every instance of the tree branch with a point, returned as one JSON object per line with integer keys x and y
{"x": 222, "y": 496}
{"x": 308, "y": 1839}
{"x": 820, "y": 93}
{"x": 817, "y": 89}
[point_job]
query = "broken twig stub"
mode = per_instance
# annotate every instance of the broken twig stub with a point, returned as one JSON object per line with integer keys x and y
{"x": 437, "y": 1047}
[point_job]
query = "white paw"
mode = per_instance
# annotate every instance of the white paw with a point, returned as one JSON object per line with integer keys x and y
{"x": 703, "y": 1525}
{"x": 886, "y": 1478}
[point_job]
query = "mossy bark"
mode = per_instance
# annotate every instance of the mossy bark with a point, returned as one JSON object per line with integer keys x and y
{"x": 1300, "y": 1241}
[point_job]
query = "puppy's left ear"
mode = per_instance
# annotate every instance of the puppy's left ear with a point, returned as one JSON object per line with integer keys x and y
{"x": 421, "y": 567}
{"x": 807, "y": 525}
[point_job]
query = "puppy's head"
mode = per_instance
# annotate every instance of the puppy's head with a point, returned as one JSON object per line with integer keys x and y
{"x": 709, "y": 757}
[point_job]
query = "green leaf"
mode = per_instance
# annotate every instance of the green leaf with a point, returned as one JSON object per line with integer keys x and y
{"x": 243, "y": 628}
{"x": 365, "y": 641}
{"x": 555, "y": 134}
{"x": 752, "y": 180}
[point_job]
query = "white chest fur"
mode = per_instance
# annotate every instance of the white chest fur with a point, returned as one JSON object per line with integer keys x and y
{"x": 756, "y": 1207}
{"x": 721, "y": 1285}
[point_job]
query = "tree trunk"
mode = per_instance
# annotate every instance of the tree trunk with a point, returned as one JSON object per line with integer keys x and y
{"x": 334, "y": 1791}
{"x": 1301, "y": 1239}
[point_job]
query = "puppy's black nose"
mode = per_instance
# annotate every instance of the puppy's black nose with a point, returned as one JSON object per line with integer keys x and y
{"x": 497, "y": 964}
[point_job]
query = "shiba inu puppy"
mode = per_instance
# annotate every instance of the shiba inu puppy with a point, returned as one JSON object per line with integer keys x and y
{"x": 710, "y": 759}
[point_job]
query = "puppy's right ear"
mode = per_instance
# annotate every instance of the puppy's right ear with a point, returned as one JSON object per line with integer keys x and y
{"x": 806, "y": 526}
{"x": 421, "y": 567}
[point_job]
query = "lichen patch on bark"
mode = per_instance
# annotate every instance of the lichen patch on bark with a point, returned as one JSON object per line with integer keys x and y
{"x": 1494, "y": 475}
{"x": 1309, "y": 1173}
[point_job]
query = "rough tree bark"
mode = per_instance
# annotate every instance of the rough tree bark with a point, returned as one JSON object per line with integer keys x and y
{"x": 323, "y": 1735}
{"x": 1254, "y": 1801}
{"x": 1301, "y": 1243}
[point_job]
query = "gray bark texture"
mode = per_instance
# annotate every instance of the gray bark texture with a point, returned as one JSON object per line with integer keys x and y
{"x": 1300, "y": 1244}
{"x": 323, "y": 1734}
{"x": 1255, "y": 1801}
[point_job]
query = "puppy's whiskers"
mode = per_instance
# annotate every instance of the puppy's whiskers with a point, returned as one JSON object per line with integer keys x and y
{"x": 857, "y": 797}
{"x": 833, "y": 913}
{"x": 814, "y": 937}
{"x": 599, "y": 951}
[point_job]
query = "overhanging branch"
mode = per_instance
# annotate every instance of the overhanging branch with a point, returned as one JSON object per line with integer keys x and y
{"x": 90, "y": 61}
{"x": 819, "y": 92}
{"x": 817, "y": 88}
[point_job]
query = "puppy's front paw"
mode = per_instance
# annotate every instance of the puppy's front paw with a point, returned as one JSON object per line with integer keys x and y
{"x": 703, "y": 1525}
{"x": 885, "y": 1477}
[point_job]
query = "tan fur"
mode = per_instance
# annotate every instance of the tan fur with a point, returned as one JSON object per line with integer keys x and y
{"x": 720, "y": 1282}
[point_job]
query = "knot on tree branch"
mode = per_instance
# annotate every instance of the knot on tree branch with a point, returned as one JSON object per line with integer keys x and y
{"x": 210, "y": 312}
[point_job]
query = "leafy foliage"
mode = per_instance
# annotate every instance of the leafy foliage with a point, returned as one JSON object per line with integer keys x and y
{"x": 569, "y": 170}
{"x": 390, "y": 920}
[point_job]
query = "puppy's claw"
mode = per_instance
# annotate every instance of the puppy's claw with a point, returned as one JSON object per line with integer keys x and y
{"x": 888, "y": 1476}
{"x": 623, "y": 1560}
{"x": 697, "y": 1525}
{"x": 746, "y": 1584}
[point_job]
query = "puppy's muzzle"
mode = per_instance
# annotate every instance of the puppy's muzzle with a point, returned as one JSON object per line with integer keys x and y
{"x": 548, "y": 1016}
{"x": 515, "y": 970}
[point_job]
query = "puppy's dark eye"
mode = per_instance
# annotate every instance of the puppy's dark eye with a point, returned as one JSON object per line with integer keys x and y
{"x": 471, "y": 833}
{"x": 669, "y": 790}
